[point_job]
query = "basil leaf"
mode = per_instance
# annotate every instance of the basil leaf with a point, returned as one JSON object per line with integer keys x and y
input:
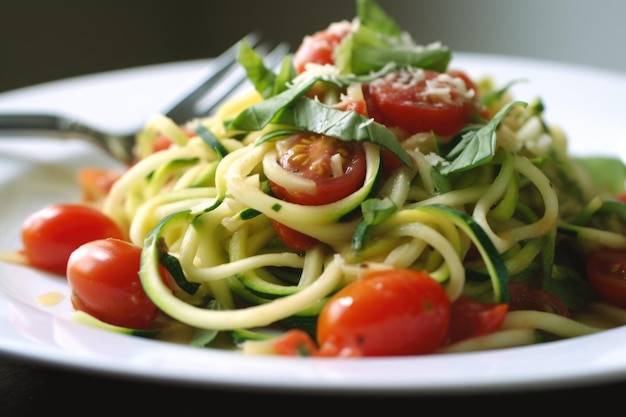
{"x": 477, "y": 146}
{"x": 375, "y": 211}
{"x": 607, "y": 173}
{"x": 259, "y": 75}
{"x": 371, "y": 15}
{"x": 366, "y": 50}
{"x": 258, "y": 116}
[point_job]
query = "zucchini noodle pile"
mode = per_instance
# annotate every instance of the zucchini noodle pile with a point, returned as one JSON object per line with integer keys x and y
{"x": 210, "y": 211}
{"x": 501, "y": 202}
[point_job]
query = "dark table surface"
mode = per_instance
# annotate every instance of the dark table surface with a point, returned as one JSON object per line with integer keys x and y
{"x": 37, "y": 389}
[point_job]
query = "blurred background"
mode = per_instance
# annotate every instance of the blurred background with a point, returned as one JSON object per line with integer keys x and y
{"x": 43, "y": 40}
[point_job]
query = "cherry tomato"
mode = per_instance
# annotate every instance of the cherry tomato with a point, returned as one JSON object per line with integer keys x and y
{"x": 310, "y": 156}
{"x": 524, "y": 297}
{"x": 163, "y": 142}
{"x": 95, "y": 184}
{"x": 472, "y": 318}
{"x": 385, "y": 313}
{"x": 319, "y": 48}
{"x": 104, "y": 281}
{"x": 417, "y": 100}
{"x": 295, "y": 240}
{"x": 51, "y": 234}
{"x": 295, "y": 342}
{"x": 606, "y": 271}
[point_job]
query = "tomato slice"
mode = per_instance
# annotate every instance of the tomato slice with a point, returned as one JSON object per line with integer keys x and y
{"x": 606, "y": 271}
{"x": 50, "y": 234}
{"x": 336, "y": 168}
{"x": 419, "y": 100}
{"x": 104, "y": 281}
{"x": 320, "y": 47}
{"x": 472, "y": 318}
{"x": 315, "y": 157}
{"x": 385, "y": 313}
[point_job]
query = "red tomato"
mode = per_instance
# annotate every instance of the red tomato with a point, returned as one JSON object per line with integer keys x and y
{"x": 295, "y": 342}
{"x": 309, "y": 155}
{"x": 104, "y": 280}
{"x": 472, "y": 318}
{"x": 524, "y": 297}
{"x": 319, "y": 48}
{"x": 417, "y": 100}
{"x": 606, "y": 271}
{"x": 388, "y": 312}
{"x": 51, "y": 234}
{"x": 163, "y": 142}
{"x": 292, "y": 238}
{"x": 95, "y": 184}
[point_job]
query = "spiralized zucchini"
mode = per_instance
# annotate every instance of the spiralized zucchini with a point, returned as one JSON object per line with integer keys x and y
{"x": 212, "y": 213}
{"x": 506, "y": 204}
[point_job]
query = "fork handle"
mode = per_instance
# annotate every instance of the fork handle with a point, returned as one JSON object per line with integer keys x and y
{"x": 34, "y": 121}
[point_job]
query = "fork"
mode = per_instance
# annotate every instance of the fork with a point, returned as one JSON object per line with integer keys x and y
{"x": 222, "y": 79}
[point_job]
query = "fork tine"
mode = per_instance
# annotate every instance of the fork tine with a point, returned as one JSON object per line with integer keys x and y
{"x": 235, "y": 79}
{"x": 183, "y": 110}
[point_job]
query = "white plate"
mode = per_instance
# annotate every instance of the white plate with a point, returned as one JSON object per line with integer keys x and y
{"x": 586, "y": 102}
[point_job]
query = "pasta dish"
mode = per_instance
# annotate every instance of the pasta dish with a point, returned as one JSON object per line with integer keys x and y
{"x": 364, "y": 199}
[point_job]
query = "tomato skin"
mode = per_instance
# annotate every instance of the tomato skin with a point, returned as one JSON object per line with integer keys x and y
{"x": 385, "y": 313}
{"x": 103, "y": 276}
{"x": 50, "y": 234}
{"x": 399, "y": 99}
{"x": 295, "y": 342}
{"x": 95, "y": 184}
{"x": 606, "y": 272}
{"x": 472, "y": 318}
{"x": 292, "y": 238}
{"x": 319, "y": 48}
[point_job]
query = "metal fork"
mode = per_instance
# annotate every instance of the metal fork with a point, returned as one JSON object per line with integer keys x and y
{"x": 223, "y": 77}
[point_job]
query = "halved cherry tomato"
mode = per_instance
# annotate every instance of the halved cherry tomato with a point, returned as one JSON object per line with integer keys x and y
{"x": 311, "y": 156}
{"x": 385, "y": 313}
{"x": 418, "y": 100}
{"x": 50, "y": 234}
{"x": 104, "y": 281}
{"x": 319, "y": 48}
{"x": 606, "y": 271}
{"x": 472, "y": 318}
{"x": 524, "y": 297}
